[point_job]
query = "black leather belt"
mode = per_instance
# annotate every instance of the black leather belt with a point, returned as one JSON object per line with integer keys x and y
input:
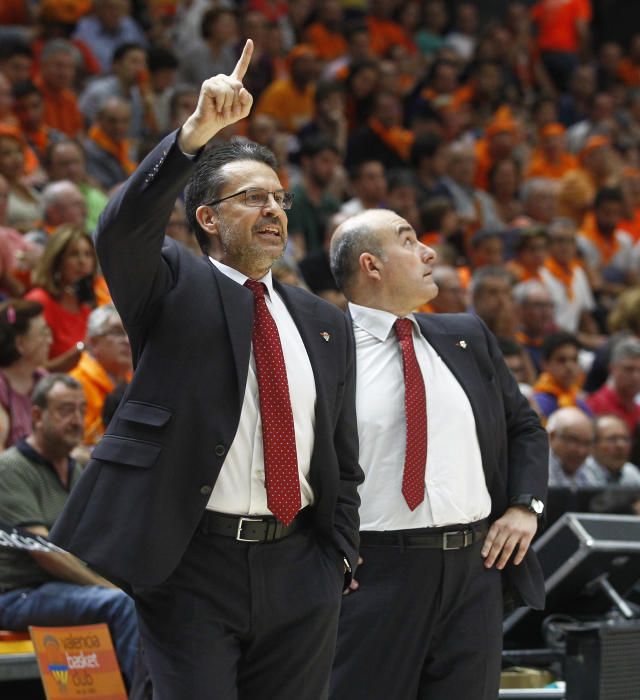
{"x": 247, "y": 528}
{"x": 429, "y": 538}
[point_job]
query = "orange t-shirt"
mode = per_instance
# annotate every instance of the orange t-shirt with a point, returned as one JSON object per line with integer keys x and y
{"x": 541, "y": 167}
{"x": 291, "y": 108}
{"x": 67, "y": 327}
{"x": 556, "y": 21}
{"x": 629, "y": 72}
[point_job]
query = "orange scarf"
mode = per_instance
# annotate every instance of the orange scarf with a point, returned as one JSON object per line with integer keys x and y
{"x": 520, "y": 271}
{"x": 546, "y": 384}
{"x": 608, "y": 247}
{"x": 562, "y": 274}
{"x": 120, "y": 151}
{"x": 397, "y": 138}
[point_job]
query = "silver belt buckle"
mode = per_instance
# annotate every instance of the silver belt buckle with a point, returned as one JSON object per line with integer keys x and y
{"x": 467, "y": 539}
{"x": 241, "y": 522}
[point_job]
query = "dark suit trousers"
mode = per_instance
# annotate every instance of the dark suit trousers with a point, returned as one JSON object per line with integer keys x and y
{"x": 244, "y": 621}
{"x": 425, "y": 624}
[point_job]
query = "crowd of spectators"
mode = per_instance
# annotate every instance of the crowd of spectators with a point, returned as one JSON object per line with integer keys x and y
{"x": 511, "y": 145}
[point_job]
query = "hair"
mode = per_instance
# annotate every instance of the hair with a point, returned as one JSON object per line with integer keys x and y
{"x": 483, "y": 235}
{"x": 209, "y": 178}
{"x": 40, "y": 394}
{"x": 46, "y": 273}
{"x": 625, "y": 349}
{"x": 313, "y": 145}
{"x": 48, "y": 154}
{"x": 25, "y": 87}
{"x": 426, "y": 145}
{"x": 357, "y": 238}
{"x": 526, "y": 235}
{"x": 482, "y": 274}
{"x": 608, "y": 194}
{"x": 177, "y": 91}
{"x": 509, "y": 348}
{"x": 159, "y": 58}
{"x": 15, "y": 318}
{"x": 54, "y": 46}
{"x": 14, "y": 46}
{"x": 325, "y": 88}
{"x": 433, "y": 212}
{"x": 534, "y": 186}
{"x": 554, "y": 341}
{"x": 400, "y": 177}
{"x": 123, "y": 49}
{"x": 210, "y": 17}
{"x": 54, "y": 192}
{"x": 561, "y": 419}
{"x": 99, "y": 318}
{"x": 625, "y": 315}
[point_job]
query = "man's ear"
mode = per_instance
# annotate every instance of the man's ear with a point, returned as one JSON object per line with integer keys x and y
{"x": 370, "y": 265}
{"x": 208, "y": 219}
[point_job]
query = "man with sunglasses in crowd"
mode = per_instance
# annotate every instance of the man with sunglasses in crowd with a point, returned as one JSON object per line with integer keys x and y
{"x": 224, "y": 493}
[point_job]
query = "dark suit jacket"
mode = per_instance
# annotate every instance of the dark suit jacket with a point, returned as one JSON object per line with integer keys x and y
{"x": 143, "y": 493}
{"x": 513, "y": 444}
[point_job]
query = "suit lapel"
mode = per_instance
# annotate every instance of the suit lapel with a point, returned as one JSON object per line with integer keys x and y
{"x": 237, "y": 305}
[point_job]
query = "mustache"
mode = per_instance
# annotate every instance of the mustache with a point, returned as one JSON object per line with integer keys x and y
{"x": 267, "y": 221}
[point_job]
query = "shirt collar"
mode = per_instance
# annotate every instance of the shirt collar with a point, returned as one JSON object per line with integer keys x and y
{"x": 240, "y": 277}
{"x": 34, "y": 456}
{"x": 376, "y": 322}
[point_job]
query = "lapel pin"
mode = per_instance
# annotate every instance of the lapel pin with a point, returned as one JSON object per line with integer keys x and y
{"x": 325, "y": 336}
{"x": 462, "y": 344}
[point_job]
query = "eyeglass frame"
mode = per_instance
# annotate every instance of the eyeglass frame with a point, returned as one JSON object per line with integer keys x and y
{"x": 261, "y": 189}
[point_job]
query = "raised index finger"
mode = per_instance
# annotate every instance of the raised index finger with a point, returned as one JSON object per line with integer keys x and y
{"x": 243, "y": 62}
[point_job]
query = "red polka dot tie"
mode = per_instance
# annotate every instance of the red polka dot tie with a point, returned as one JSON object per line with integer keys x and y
{"x": 278, "y": 434}
{"x": 415, "y": 407}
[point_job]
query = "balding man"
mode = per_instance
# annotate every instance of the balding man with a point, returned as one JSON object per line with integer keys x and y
{"x": 456, "y": 472}
{"x": 110, "y": 158}
{"x": 571, "y": 435}
{"x": 609, "y": 463}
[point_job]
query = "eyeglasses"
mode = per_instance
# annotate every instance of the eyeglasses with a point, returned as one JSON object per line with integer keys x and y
{"x": 257, "y": 197}
{"x": 612, "y": 439}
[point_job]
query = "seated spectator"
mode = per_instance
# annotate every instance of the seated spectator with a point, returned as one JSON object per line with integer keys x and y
{"x": 503, "y": 182}
{"x": 362, "y": 80}
{"x": 105, "y": 363}
{"x": 7, "y": 116}
{"x": 36, "y": 475}
{"x": 163, "y": 71}
{"x": 519, "y": 364}
{"x": 29, "y": 108}
{"x": 128, "y": 79}
{"x": 452, "y": 296}
{"x": 535, "y": 314}
{"x": 492, "y": 300}
{"x": 383, "y": 137}
{"x": 17, "y": 256}
{"x": 290, "y": 101}
{"x": 110, "y": 157}
{"x": 530, "y": 250}
{"x": 25, "y": 338}
{"x": 314, "y": 201}
{"x": 66, "y": 161}
{"x": 571, "y": 436}
{"x": 329, "y": 118}
{"x": 402, "y": 196}
{"x": 326, "y": 33}
{"x": 107, "y": 27}
{"x": 559, "y": 384}
{"x": 565, "y": 278}
{"x": 369, "y": 187}
{"x": 551, "y": 159}
{"x": 618, "y": 396}
{"x": 215, "y": 51}
{"x": 63, "y": 205}
{"x": 486, "y": 248}
{"x": 64, "y": 279}
{"x": 24, "y": 206}
{"x": 539, "y": 197}
{"x": 606, "y": 248}
{"x": 497, "y": 144}
{"x": 58, "y": 65}
{"x": 316, "y": 270}
{"x": 429, "y": 158}
{"x": 609, "y": 463}
{"x": 178, "y": 229}
{"x": 16, "y": 59}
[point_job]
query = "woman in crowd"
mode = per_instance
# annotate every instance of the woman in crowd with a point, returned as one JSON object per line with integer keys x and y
{"x": 25, "y": 339}
{"x": 64, "y": 281}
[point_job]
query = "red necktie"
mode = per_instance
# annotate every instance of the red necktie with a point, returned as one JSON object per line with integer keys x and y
{"x": 278, "y": 435}
{"x": 415, "y": 407}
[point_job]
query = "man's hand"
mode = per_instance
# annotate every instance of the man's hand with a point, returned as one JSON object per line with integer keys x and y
{"x": 515, "y": 529}
{"x": 223, "y": 100}
{"x": 354, "y": 585}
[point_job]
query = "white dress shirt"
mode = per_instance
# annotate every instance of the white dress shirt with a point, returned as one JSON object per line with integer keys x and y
{"x": 455, "y": 487}
{"x": 240, "y": 487}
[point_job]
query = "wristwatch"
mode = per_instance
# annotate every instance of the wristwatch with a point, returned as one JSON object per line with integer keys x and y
{"x": 533, "y": 504}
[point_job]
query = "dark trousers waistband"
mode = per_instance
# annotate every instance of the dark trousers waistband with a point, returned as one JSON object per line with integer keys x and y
{"x": 250, "y": 528}
{"x": 445, "y": 538}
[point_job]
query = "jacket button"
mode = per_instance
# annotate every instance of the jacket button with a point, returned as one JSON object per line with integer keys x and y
{"x": 205, "y": 490}
{"x": 220, "y": 450}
